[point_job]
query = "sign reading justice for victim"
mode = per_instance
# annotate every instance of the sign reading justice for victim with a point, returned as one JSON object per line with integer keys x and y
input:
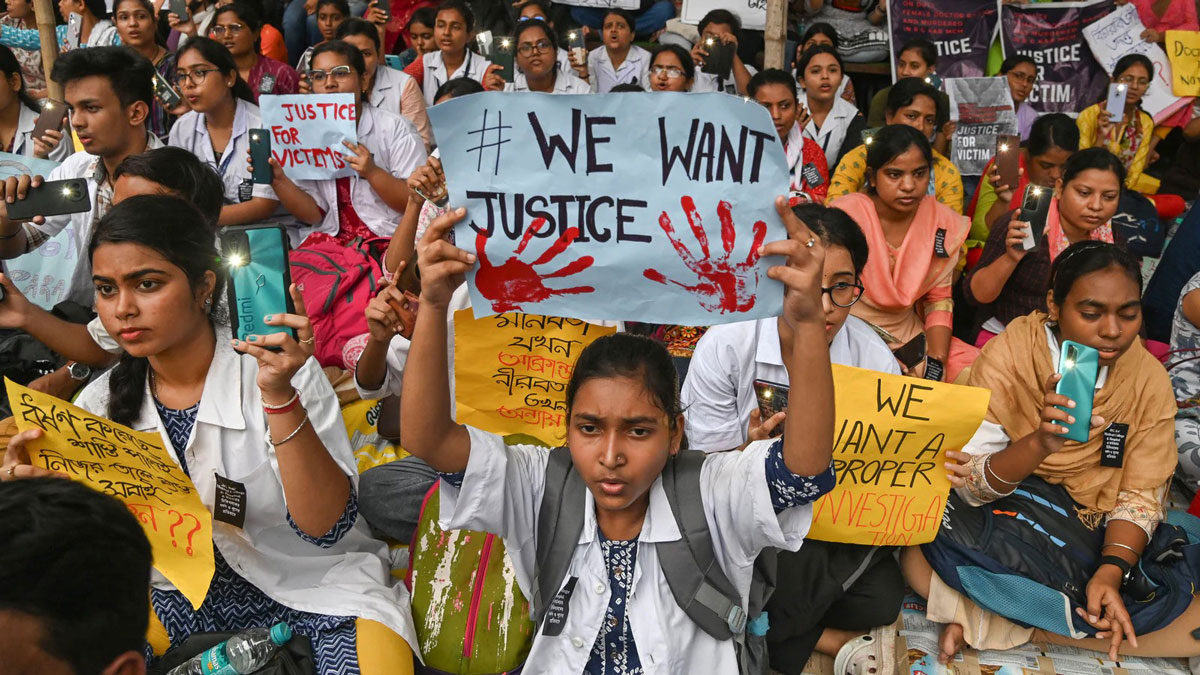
{"x": 889, "y": 453}
{"x": 132, "y": 466}
{"x": 307, "y": 131}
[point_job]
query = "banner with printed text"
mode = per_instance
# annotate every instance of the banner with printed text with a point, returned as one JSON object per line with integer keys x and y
{"x": 1183, "y": 50}
{"x": 1120, "y": 33}
{"x": 44, "y": 274}
{"x": 132, "y": 466}
{"x": 961, "y": 30}
{"x": 1069, "y": 78}
{"x": 308, "y": 132}
{"x": 511, "y": 371}
{"x": 614, "y": 206}
{"x": 889, "y": 452}
{"x": 983, "y": 109}
{"x": 752, "y": 13}
{"x": 603, "y": 4}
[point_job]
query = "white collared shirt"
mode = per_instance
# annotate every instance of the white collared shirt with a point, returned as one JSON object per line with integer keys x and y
{"x": 502, "y": 492}
{"x": 473, "y": 66}
{"x": 397, "y": 148}
{"x": 565, "y": 82}
{"x": 23, "y": 138}
{"x": 718, "y": 394}
{"x": 397, "y": 92}
{"x": 230, "y": 439}
{"x": 706, "y": 82}
{"x": 635, "y": 69}
{"x": 190, "y": 132}
{"x": 832, "y": 134}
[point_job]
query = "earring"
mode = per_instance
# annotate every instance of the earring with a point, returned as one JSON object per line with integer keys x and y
{"x": 208, "y": 304}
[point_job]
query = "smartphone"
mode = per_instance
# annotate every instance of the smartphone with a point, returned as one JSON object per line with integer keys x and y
{"x": 53, "y": 114}
{"x": 576, "y": 45}
{"x": 385, "y": 6}
{"x": 166, "y": 94}
{"x": 772, "y": 399}
{"x": 502, "y": 55}
{"x": 934, "y": 80}
{"x": 259, "y": 278}
{"x": 719, "y": 61}
{"x": 1116, "y": 100}
{"x": 179, "y": 8}
{"x": 484, "y": 43}
{"x": 260, "y": 156}
{"x": 1079, "y": 365}
{"x": 868, "y": 135}
{"x": 1008, "y": 150}
{"x": 393, "y": 61}
{"x": 1035, "y": 204}
{"x": 74, "y": 30}
{"x": 912, "y": 352}
{"x": 52, "y": 198}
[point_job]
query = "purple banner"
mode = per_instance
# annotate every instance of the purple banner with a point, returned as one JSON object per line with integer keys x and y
{"x": 961, "y": 29}
{"x": 1069, "y": 78}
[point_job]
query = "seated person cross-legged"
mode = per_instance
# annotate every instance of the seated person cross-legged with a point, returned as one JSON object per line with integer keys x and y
{"x": 1065, "y": 536}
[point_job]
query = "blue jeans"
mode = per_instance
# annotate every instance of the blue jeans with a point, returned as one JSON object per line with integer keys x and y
{"x": 646, "y": 23}
{"x": 300, "y": 28}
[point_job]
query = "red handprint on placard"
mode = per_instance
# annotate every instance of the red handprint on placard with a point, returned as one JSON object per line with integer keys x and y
{"x": 515, "y": 282}
{"x": 725, "y": 286}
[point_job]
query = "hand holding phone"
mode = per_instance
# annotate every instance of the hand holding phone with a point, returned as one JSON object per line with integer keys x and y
{"x": 911, "y": 353}
{"x": 1035, "y": 206}
{"x": 577, "y": 47}
{"x": 261, "y": 171}
{"x": 259, "y": 279}
{"x": 74, "y": 30}
{"x": 53, "y": 114}
{"x": 502, "y": 56}
{"x": 772, "y": 399}
{"x": 1008, "y": 150}
{"x": 166, "y": 94}
{"x": 1116, "y": 101}
{"x": 179, "y": 8}
{"x": 1078, "y": 366}
{"x": 53, "y": 198}
{"x": 719, "y": 61}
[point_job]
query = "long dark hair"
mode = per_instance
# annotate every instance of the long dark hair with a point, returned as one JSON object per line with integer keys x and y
{"x": 626, "y": 355}
{"x": 188, "y": 244}
{"x": 1083, "y": 258}
{"x": 217, "y": 54}
{"x": 10, "y": 66}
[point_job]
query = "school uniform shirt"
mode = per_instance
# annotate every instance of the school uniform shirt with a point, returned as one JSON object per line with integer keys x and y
{"x": 831, "y": 135}
{"x": 230, "y": 439}
{"x": 501, "y": 492}
{"x": 635, "y": 69}
{"x": 718, "y": 394}
{"x": 706, "y": 82}
{"x": 396, "y": 148}
{"x": 23, "y": 139}
{"x": 396, "y": 91}
{"x": 807, "y": 170}
{"x": 565, "y": 82}
{"x": 434, "y": 73}
{"x": 191, "y": 133}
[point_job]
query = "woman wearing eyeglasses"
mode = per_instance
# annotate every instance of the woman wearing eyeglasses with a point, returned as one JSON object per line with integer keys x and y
{"x": 217, "y": 128}
{"x": 537, "y": 64}
{"x": 1130, "y": 138}
{"x": 135, "y": 24}
{"x": 237, "y": 26}
{"x": 671, "y": 69}
{"x": 1021, "y": 72}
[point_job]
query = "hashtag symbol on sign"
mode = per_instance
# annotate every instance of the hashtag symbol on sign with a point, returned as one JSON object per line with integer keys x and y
{"x": 497, "y": 131}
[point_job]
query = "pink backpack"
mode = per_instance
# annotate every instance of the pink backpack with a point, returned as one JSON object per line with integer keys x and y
{"x": 337, "y": 282}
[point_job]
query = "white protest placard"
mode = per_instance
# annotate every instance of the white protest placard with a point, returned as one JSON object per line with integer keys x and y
{"x": 983, "y": 109}
{"x": 602, "y": 4}
{"x": 1118, "y": 34}
{"x": 753, "y": 13}
{"x": 44, "y": 274}
{"x": 307, "y": 132}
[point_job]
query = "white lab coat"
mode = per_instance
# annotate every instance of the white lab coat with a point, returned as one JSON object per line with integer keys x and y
{"x": 565, "y": 82}
{"x": 397, "y": 92}
{"x": 502, "y": 493}
{"x": 190, "y": 132}
{"x": 832, "y": 134}
{"x": 350, "y": 578}
{"x": 635, "y": 69}
{"x": 473, "y": 66}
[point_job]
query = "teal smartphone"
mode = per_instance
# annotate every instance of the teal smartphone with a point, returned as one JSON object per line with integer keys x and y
{"x": 1079, "y": 366}
{"x": 393, "y": 61}
{"x": 259, "y": 278}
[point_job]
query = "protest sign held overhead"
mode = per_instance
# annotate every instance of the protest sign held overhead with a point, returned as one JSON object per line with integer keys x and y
{"x": 307, "y": 132}
{"x": 983, "y": 109}
{"x": 1069, "y": 78}
{"x": 132, "y": 466}
{"x": 44, "y": 274}
{"x": 1183, "y": 51}
{"x": 961, "y": 30}
{"x": 890, "y": 441}
{"x": 646, "y": 208}
{"x": 1114, "y": 36}
{"x": 511, "y": 371}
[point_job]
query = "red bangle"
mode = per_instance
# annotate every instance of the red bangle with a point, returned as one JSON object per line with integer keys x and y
{"x": 291, "y": 405}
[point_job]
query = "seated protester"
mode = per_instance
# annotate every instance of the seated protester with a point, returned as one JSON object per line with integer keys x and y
{"x": 453, "y": 31}
{"x": 18, "y": 116}
{"x": 913, "y": 103}
{"x": 775, "y": 90}
{"x": 536, "y": 67}
{"x": 1185, "y": 380}
{"x": 20, "y": 15}
{"x": 720, "y": 26}
{"x": 95, "y": 28}
{"x": 917, "y": 58}
{"x": 181, "y": 377}
{"x": 330, "y": 16}
{"x": 110, "y": 92}
{"x": 420, "y": 35}
{"x": 833, "y": 123}
{"x": 1130, "y": 138}
{"x": 135, "y": 25}
{"x": 539, "y": 10}
{"x": 671, "y": 69}
{"x": 388, "y": 89}
{"x": 822, "y": 33}
{"x": 915, "y": 245}
{"x": 1009, "y": 281}
{"x": 217, "y": 130}
{"x": 238, "y": 26}
{"x": 618, "y": 60}
{"x": 1108, "y": 517}
{"x": 74, "y": 570}
{"x": 371, "y": 202}
{"x": 1052, "y": 140}
{"x": 625, "y": 425}
{"x": 1021, "y": 72}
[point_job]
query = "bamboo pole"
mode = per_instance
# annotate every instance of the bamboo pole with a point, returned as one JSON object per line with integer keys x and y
{"x": 775, "y": 34}
{"x": 45, "y": 23}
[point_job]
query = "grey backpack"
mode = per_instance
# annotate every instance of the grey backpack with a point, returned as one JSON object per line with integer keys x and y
{"x": 696, "y": 580}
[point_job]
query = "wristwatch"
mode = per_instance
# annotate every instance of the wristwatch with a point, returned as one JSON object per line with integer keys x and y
{"x": 78, "y": 371}
{"x": 1120, "y": 563}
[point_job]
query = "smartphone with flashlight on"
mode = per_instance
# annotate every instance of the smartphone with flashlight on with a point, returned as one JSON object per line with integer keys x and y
{"x": 1079, "y": 366}
{"x": 1116, "y": 100}
{"x": 1035, "y": 205}
{"x": 719, "y": 61}
{"x": 260, "y": 156}
{"x": 503, "y": 51}
{"x": 52, "y": 198}
{"x": 576, "y": 45}
{"x": 1008, "y": 150}
{"x": 259, "y": 278}
{"x": 772, "y": 399}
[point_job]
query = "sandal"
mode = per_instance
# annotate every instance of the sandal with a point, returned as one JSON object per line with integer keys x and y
{"x": 858, "y": 657}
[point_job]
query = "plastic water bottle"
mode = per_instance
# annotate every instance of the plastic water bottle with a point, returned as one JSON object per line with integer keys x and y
{"x": 241, "y": 654}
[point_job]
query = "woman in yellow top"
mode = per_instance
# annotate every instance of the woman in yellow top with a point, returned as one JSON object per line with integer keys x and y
{"x": 911, "y": 102}
{"x": 1131, "y": 137}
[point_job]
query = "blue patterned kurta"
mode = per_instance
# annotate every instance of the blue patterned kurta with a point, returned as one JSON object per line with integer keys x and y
{"x": 233, "y": 603}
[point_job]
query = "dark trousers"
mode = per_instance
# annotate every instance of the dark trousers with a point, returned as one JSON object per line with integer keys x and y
{"x": 812, "y": 594}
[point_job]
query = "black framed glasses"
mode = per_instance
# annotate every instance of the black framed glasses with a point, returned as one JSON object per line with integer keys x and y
{"x": 196, "y": 77}
{"x": 527, "y": 48}
{"x": 844, "y": 294}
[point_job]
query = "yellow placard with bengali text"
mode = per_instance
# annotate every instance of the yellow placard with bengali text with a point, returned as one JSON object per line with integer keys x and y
{"x": 1183, "y": 51}
{"x": 132, "y": 466}
{"x": 889, "y": 452}
{"x": 511, "y": 371}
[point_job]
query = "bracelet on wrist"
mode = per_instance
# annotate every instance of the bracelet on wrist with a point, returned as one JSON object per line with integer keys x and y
{"x": 290, "y": 436}
{"x": 290, "y": 405}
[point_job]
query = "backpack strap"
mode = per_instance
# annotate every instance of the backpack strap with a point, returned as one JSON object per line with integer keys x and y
{"x": 560, "y": 520}
{"x": 700, "y": 587}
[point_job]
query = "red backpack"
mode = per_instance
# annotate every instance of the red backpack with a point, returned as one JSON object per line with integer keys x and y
{"x": 337, "y": 282}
